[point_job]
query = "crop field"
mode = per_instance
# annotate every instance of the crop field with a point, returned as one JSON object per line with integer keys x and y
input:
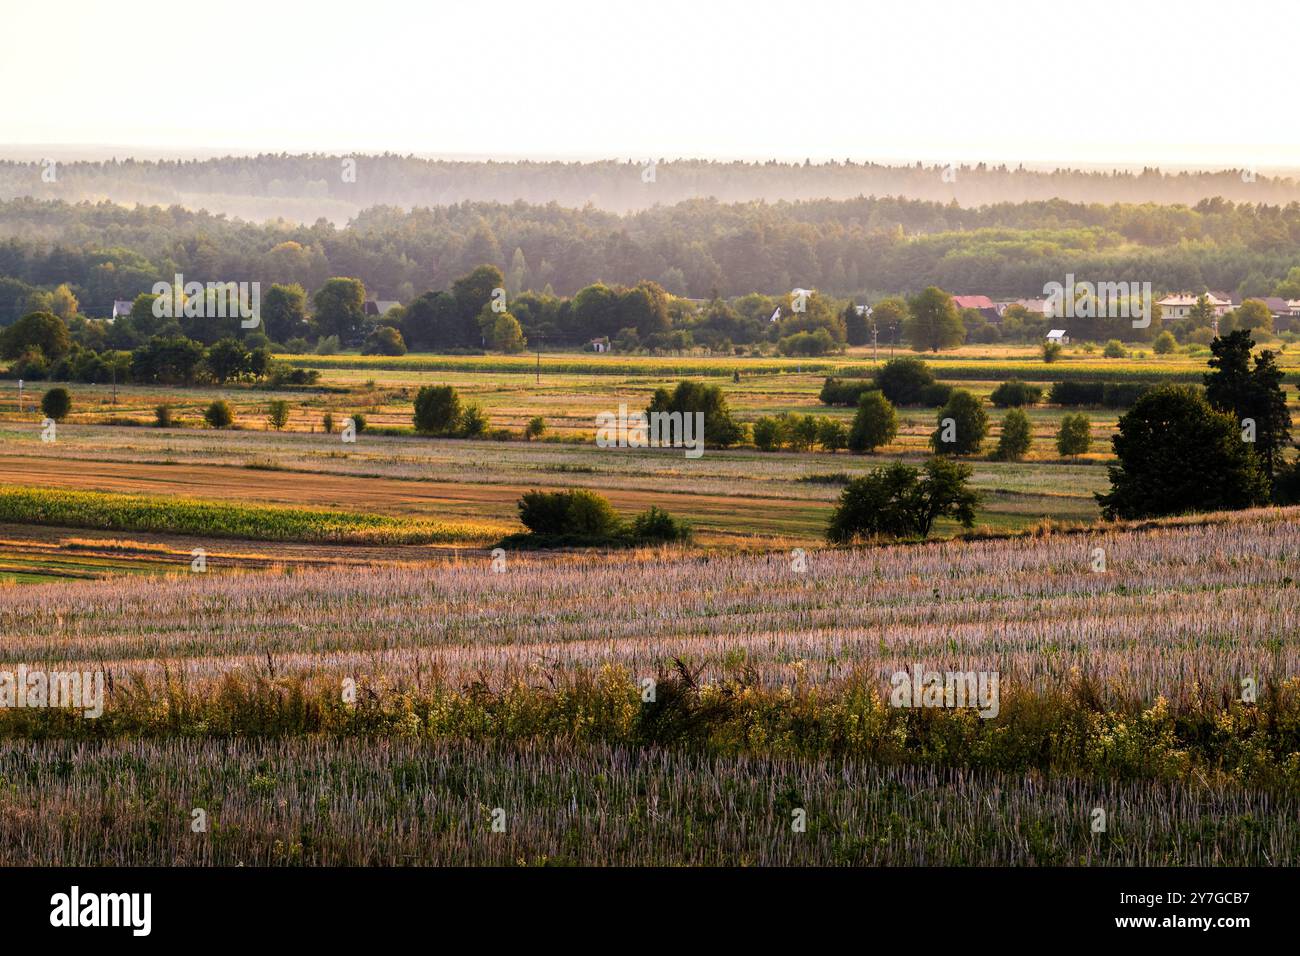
{"x": 521, "y": 690}
{"x": 356, "y": 677}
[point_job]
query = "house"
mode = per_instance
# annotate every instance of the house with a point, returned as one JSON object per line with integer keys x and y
{"x": 1058, "y": 337}
{"x": 1177, "y": 305}
{"x": 121, "y": 307}
{"x": 600, "y": 345}
{"x": 980, "y": 303}
{"x": 379, "y": 306}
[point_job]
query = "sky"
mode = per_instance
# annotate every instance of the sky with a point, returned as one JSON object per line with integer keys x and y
{"x": 1136, "y": 83}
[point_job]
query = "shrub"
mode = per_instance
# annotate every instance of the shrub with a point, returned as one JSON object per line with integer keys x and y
{"x": 163, "y": 416}
{"x": 473, "y": 422}
{"x": 384, "y": 340}
{"x": 1077, "y": 393}
{"x": 1114, "y": 349}
{"x": 219, "y": 414}
{"x": 576, "y": 512}
{"x": 1016, "y": 437}
{"x": 874, "y": 425}
{"x": 1075, "y": 435}
{"x": 904, "y": 380}
{"x": 803, "y": 432}
{"x": 832, "y": 434}
{"x": 656, "y": 524}
{"x": 535, "y": 428}
{"x": 437, "y": 410}
{"x": 1014, "y": 393}
{"x": 1051, "y": 351}
{"x": 837, "y": 391}
{"x": 898, "y": 501}
{"x": 56, "y": 403}
{"x": 769, "y": 433}
{"x": 277, "y": 414}
{"x": 720, "y": 429}
{"x": 328, "y": 345}
{"x": 327, "y": 423}
{"x": 1165, "y": 343}
{"x": 936, "y": 395}
{"x": 962, "y": 426}
{"x": 358, "y": 422}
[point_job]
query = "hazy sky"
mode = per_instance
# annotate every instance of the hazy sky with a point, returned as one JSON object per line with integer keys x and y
{"x": 1192, "y": 83}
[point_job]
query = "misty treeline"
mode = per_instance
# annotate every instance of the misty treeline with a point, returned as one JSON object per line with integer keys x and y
{"x": 860, "y": 248}
{"x": 305, "y": 187}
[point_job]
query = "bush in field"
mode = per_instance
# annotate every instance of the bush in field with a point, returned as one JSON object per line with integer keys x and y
{"x": 898, "y": 501}
{"x": 904, "y": 380}
{"x": 1165, "y": 343}
{"x": 832, "y": 434}
{"x": 437, "y": 410}
{"x": 1016, "y": 437}
{"x": 720, "y": 429}
{"x": 1177, "y": 455}
{"x": 577, "y": 512}
{"x": 962, "y": 426}
{"x": 219, "y": 414}
{"x": 874, "y": 425}
{"x": 1114, "y": 350}
{"x": 1014, "y": 393}
{"x": 327, "y": 423}
{"x": 803, "y": 432}
{"x": 384, "y": 340}
{"x": 328, "y": 345}
{"x": 836, "y": 391}
{"x": 1051, "y": 351}
{"x": 655, "y": 524}
{"x": 277, "y": 414}
{"x": 358, "y": 422}
{"x": 164, "y": 416}
{"x": 1075, "y": 435}
{"x": 535, "y": 428}
{"x": 56, "y": 403}
{"x": 473, "y": 422}
{"x": 769, "y": 433}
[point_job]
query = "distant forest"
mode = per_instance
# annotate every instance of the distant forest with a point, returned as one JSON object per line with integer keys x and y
{"x": 860, "y": 248}
{"x": 303, "y": 188}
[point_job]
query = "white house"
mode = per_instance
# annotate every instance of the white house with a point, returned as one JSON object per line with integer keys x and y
{"x": 1177, "y": 305}
{"x": 1058, "y": 336}
{"x": 121, "y": 307}
{"x": 600, "y": 345}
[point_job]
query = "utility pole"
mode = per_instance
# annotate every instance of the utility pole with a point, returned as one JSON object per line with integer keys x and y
{"x": 875, "y": 354}
{"x": 20, "y": 396}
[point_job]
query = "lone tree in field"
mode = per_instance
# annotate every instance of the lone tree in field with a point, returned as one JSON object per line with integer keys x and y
{"x": 277, "y": 414}
{"x": 720, "y": 429}
{"x": 962, "y": 425}
{"x": 56, "y": 403}
{"x": 897, "y": 501}
{"x": 1016, "y": 437}
{"x": 1250, "y": 394}
{"x": 874, "y": 425}
{"x": 934, "y": 322}
{"x": 1178, "y": 455}
{"x": 1075, "y": 435}
{"x": 219, "y": 414}
{"x": 437, "y": 410}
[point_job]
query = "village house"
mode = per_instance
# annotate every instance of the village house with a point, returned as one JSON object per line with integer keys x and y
{"x": 1177, "y": 305}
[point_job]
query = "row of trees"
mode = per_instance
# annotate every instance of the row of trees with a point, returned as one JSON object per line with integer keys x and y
{"x": 862, "y": 247}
